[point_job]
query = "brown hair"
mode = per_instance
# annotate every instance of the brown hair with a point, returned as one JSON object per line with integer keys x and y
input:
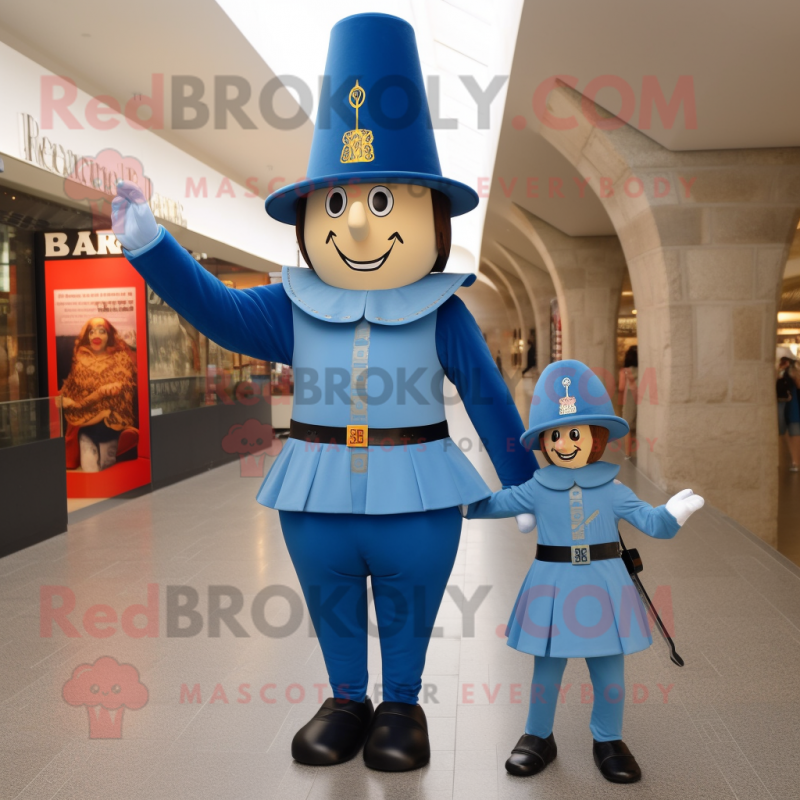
{"x": 599, "y": 442}
{"x": 441, "y": 227}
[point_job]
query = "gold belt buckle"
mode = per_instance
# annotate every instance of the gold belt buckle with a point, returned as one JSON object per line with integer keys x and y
{"x": 581, "y": 554}
{"x": 357, "y": 435}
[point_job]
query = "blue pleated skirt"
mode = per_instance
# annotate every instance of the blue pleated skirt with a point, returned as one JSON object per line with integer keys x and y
{"x": 402, "y": 479}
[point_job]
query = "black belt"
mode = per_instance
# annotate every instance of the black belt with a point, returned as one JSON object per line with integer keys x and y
{"x": 378, "y": 437}
{"x": 563, "y": 555}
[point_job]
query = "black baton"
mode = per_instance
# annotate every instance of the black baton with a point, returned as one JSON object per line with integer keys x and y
{"x": 634, "y": 566}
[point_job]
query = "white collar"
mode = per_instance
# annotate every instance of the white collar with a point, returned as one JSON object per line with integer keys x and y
{"x": 588, "y": 477}
{"x": 382, "y": 306}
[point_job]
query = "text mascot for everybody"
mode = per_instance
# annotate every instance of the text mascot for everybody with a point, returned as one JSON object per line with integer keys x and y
{"x": 578, "y": 599}
{"x": 369, "y": 483}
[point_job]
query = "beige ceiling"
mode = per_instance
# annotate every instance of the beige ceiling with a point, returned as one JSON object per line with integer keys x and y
{"x": 741, "y": 56}
{"x": 115, "y": 47}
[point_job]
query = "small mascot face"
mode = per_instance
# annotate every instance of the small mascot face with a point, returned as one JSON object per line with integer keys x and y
{"x": 568, "y": 445}
{"x": 371, "y": 236}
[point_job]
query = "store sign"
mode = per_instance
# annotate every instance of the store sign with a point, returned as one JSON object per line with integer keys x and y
{"x": 93, "y": 173}
{"x": 80, "y": 244}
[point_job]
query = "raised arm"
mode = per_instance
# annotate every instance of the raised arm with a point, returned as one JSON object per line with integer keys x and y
{"x": 256, "y": 322}
{"x": 469, "y": 365}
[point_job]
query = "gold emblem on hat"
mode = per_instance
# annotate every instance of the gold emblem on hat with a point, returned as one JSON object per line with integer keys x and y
{"x": 566, "y": 404}
{"x": 357, "y": 143}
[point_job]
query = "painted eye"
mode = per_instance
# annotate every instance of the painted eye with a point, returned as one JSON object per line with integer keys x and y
{"x": 555, "y": 435}
{"x": 380, "y": 201}
{"x": 574, "y": 434}
{"x": 259, "y": 440}
{"x": 116, "y": 688}
{"x": 244, "y": 441}
{"x": 336, "y": 202}
{"x": 94, "y": 688}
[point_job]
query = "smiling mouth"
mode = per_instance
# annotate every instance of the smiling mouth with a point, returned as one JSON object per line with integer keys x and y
{"x": 568, "y": 457}
{"x": 365, "y": 266}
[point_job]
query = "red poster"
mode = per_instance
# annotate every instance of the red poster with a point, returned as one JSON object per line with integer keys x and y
{"x": 95, "y": 311}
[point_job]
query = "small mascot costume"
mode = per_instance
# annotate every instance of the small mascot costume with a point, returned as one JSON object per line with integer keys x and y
{"x": 578, "y": 599}
{"x": 369, "y": 482}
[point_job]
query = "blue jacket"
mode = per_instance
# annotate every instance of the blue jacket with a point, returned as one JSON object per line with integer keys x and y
{"x": 588, "y": 610}
{"x": 408, "y": 338}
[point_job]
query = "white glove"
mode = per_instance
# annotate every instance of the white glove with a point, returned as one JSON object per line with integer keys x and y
{"x": 684, "y": 504}
{"x": 526, "y": 522}
{"x": 131, "y": 218}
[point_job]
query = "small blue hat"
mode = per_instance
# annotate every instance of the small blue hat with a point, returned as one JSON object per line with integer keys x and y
{"x": 373, "y": 122}
{"x": 569, "y": 393}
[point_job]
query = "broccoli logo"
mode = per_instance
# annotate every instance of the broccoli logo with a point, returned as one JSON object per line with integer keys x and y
{"x": 94, "y": 179}
{"x": 106, "y": 688}
{"x": 253, "y": 442}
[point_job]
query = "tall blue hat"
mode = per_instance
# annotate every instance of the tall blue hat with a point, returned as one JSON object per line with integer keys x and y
{"x": 373, "y": 122}
{"x": 568, "y": 393}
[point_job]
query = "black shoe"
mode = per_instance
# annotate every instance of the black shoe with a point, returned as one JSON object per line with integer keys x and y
{"x": 616, "y": 762}
{"x": 531, "y": 755}
{"x": 398, "y": 739}
{"x": 334, "y": 734}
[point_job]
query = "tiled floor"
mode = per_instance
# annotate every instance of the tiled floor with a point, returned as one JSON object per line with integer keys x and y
{"x": 725, "y": 726}
{"x": 77, "y": 503}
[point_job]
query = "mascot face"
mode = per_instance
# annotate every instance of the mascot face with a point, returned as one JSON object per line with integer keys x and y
{"x": 371, "y": 236}
{"x": 568, "y": 445}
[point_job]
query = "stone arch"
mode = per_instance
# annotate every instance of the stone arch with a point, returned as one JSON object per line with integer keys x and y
{"x": 540, "y": 289}
{"x": 487, "y": 304}
{"x": 506, "y": 291}
{"x": 706, "y": 236}
{"x": 587, "y": 274}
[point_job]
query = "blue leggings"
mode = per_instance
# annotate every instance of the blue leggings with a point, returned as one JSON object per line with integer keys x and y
{"x": 409, "y": 558}
{"x": 608, "y": 684}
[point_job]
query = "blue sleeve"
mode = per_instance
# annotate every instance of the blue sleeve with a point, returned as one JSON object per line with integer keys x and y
{"x": 256, "y": 322}
{"x": 656, "y": 522}
{"x": 469, "y": 365}
{"x": 505, "y": 503}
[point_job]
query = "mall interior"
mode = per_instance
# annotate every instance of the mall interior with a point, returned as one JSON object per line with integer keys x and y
{"x": 637, "y": 169}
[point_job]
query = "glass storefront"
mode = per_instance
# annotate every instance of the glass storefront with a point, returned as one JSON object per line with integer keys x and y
{"x": 24, "y": 417}
{"x": 47, "y": 289}
{"x": 18, "y": 354}
{"x": 32, "y": 420}
{"x": 188, "y": 370}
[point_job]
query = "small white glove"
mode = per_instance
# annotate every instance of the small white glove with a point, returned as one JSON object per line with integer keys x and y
{"x": 132, "y": 220}
{"x": 684, "y": 504}
{"x": 526, "y": 522}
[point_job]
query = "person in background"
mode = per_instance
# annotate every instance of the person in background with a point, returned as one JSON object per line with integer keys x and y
{"x": 788, "y": 381}
{"x": 531, "y": 355}
{"x": 628, "y": 398}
